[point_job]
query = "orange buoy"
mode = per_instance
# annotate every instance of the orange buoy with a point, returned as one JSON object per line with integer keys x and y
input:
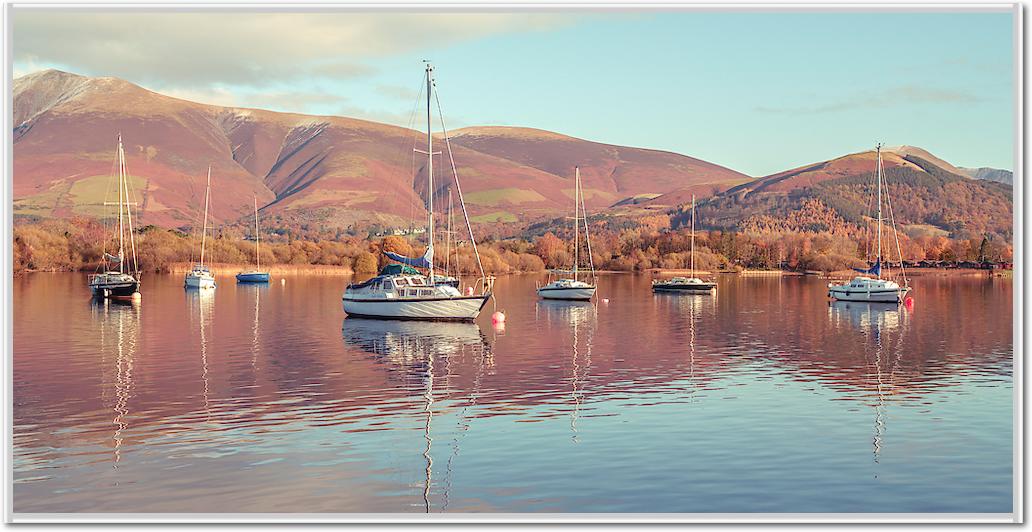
{"x": 605, "y": 300}
{"x": 909, "y": 303}
{"x": 469, "y": 290}
{"x": 498, "y": 317}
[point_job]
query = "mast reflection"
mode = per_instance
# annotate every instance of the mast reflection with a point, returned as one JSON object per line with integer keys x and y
{"x": 579, "y": 316}
{"x": 413, "y": 347}
{"x": 202, "y": 309}
{"x": 882, "y": 327}
{"x": 119, "y": 325}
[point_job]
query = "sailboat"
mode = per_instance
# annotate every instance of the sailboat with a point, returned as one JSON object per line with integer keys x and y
{"x": 572, "y": 288}
{"x": 200, "y": 276}
{"x": 402, "y": 292}
{"x": 119, "y": 283}
{"x": 256, "y": 275}
{"x": 686, "y": 284}
{"x": 874, "y": 289}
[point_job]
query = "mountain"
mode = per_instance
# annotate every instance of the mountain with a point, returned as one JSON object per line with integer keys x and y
{"x": 928, "y": 195}
{"x": 990, "y": 174}
{"x": 323, "y": 170}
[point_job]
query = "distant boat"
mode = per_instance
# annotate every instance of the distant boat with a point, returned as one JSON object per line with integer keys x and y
{"x": 256, "y": 275}
{"x": 691, "y": 284}
{"x": 572, "y": 288}
{"x": 874, "y": 289}
{"x": 400, "y": 291}
{"x": 200, "y": 276}
{"x": 119, "y": 283}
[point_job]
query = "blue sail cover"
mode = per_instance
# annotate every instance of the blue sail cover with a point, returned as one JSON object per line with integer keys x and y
{"x": 873, "y": 270}
{"x": 422, "y": 262}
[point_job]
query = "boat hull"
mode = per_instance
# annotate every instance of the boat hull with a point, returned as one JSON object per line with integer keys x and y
{"x": 201, "y": 283}
{"x": 705, "y": 288}
{"x": 124, "y": 290}
{"x": 884, "y": 295}
{"x": 252, "y": 277}
{"x": 568, "y": 294}
{"x": 463, "y": 308}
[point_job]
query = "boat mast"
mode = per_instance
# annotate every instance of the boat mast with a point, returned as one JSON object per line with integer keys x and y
{"x": 128, "y": 209}
{"x": 576, "y": 220}
{"x": 430, "y": 165}
{"x": 448, "y": 238}
{"x": 693, "y": 235}
{"x": 121, "y": 194}
{"x": 204, "y": 226}
{"x": 257, "y": 250}
{"x": 878, "y": 150}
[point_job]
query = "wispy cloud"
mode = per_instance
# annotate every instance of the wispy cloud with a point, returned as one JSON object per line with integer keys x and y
{"x": 905, "y": 95}
{"x": 199, "y": 50}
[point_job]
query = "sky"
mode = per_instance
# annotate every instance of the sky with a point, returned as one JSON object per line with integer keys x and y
{"x": 758, "y": 92}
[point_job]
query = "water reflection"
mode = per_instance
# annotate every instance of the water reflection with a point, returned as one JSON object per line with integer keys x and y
{"x": 882, "y": 328}
{"x": 119, "y": 324}
{"x": 581, "y": 317}
{"x": 413, "y": 348}
{"x": 201, "y": 305}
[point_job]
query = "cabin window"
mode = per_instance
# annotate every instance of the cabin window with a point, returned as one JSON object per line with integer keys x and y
{"x": 401, "y": 282}
{"x": 387, "y": 285}
{"x": 426, "y": 292}
{"x": 410, "y": 293}
{"x": 416, "y": 281}
{"x": 376, "y": 285}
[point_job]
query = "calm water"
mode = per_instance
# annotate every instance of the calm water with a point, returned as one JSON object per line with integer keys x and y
{"x": 764, "y": 398}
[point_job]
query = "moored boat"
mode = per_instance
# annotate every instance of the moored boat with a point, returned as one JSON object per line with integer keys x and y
{"x": 255, "y": 275}
{"x": 200, "y": 276}
{"x": 109, "y": 281}
{"x": 691, "y": 284}
{"x": 874, "y": 289}
{"x": 572, "y": 288}
{"x": 400, "y": 291}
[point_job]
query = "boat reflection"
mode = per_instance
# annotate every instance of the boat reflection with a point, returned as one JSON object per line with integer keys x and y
{"x": 882, "y": 328}
{"x": 414, "y": 347}
{"x": 581, "y": 317}
{"x": 255, "y": 290}
{"x": 119, "y": 326}
{"x": 201, "y": 305}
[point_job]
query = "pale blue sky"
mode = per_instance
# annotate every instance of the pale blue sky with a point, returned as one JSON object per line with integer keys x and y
{"x": 757, "y": 92}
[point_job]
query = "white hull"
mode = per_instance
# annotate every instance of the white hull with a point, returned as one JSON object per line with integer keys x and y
{"x": 894, "y": 295}
{"x": 193, "y": 281}
{"x": 465, "y": 308}
{"x": 580, "y": 294}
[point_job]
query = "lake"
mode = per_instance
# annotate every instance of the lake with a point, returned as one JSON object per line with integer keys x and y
{"x": 764, "y": 397}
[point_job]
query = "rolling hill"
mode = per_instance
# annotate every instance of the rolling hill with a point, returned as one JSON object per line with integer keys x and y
{"x": 325, "y": 170}
{"x": 927, "y": 195}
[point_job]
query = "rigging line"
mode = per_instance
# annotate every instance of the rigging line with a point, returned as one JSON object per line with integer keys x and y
{"x": 870, "y": 202}
{"x": 587, "y": 238}
{"x": 899, "y": 250}
{"x": 412, "y": 152}
{"x": 129, "y": 209}
{"x": 458, "y": 187}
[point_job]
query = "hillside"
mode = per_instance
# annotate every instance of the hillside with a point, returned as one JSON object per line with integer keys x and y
{"x": 303, "y": 169}
{"x": 990, "y": 174}
{"x": 927, "y": 194}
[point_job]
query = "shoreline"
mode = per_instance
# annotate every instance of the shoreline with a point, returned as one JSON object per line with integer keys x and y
{"x": 220, "y": 268}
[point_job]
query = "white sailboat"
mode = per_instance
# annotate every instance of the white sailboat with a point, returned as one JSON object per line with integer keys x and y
{"x": 200, "y": 276}
{"x": 874, "y": 289}
{"x": 686, "y": 284}
{"x": 119, "y": 283}
{"x": 400, "y": 291}
{"x": 572, "y": 288}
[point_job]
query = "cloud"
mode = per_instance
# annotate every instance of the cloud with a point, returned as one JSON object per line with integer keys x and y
{"x": 886, "y": 98}
{"x": 202, "y": 49}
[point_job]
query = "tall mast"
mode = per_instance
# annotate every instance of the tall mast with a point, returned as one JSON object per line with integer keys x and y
{"x": 430, "y": 165}
{"x": 576, "y": 220}
{"x": 121, "y": 194}
{"x": 693, "y": 235}
{"x": 204, "y": 226}
{"x": 124, "y": 171}
{"x": 257, "y": 250}
{"x": 878, "y": 149}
